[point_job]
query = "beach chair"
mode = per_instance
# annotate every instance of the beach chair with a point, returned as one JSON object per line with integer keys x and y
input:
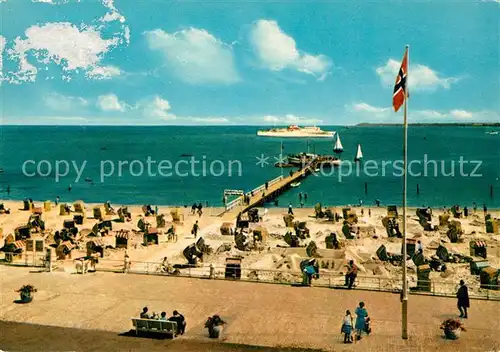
{"x": 160, "y": 221}
{"x": 47, "y": 205}
{"x": 27, "y": 205}
{"x": 63, "y": 209}
{"x": 79, "y": 207}
{"x": 108, "y": 210}
{"x": 97, "y": 213}
{"x": 226, "y": 229}
{"x": 382, "y": 254}
{"x": 176, "y": 215}
{"x": 142, "y": 224}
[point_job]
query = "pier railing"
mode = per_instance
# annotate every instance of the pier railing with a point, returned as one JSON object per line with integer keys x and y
{"x": 239, "y": 201}
{"x": 328, "y": 280}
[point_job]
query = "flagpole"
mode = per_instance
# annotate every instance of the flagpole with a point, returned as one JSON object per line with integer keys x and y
{"x": 281, "y": 158}
{"x": 404, "y": 301}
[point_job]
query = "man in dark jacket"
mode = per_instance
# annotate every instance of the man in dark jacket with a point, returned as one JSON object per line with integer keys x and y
{"x": 463, "y": 299}
{"x": 181, "y": 322}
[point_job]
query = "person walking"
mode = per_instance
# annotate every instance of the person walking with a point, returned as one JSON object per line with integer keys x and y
{"x": 420, "y": 247}
{"x": 290, "y": 209}
{"x": 463, "y": 299}
{"x": 346, "y": 329}
{"x": 350, "y": 276}
{"x": 474, "y": 206}
{"x": 300, "y": 196}
{"x": 195, "y": 229}
{"x": 305, "y": 197}
{"x": 485, "y": 209}
{"x": 361, "y": 316}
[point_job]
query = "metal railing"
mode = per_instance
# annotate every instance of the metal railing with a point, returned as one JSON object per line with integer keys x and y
{"x": 328, "y": 280}
{"x": 370, "y": 283}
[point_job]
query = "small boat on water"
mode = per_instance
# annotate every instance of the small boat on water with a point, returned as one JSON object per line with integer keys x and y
{"x": 1, "y": 170}
{"x": 338, "y": 148}
{"x": 186, "y": 155}
{"x": 493, "y": 133}
{"x": 295, "y": 184}
{"x": 301, "y": 158}
{"x": 359, "y": 154}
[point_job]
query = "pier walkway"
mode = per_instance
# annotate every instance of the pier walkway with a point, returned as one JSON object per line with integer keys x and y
{"x": 260, "y": 194}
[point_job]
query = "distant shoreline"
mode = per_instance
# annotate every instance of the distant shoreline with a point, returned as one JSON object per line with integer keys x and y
{"x": 438, "y": 124}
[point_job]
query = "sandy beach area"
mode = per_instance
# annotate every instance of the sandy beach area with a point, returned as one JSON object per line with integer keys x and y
{"x": 274, "y": 254}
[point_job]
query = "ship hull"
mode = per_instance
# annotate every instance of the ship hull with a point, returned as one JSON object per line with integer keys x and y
{"x": 295, "y": 134}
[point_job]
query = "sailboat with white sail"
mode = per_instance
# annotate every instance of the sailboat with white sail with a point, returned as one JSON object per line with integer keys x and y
{"x": 338, "y": 148}
{"x": 359, "y": 154}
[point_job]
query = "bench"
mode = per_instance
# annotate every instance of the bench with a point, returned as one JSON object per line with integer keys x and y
{"x": 160, "y": 327}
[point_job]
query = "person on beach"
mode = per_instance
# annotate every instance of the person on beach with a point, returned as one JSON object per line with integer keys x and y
{"x": 8, "y": 190}
{"x": 163, "y": 316}
{"x": 69, "y": 188}
{"x": 346, "y": 329}
{"x": 195, "y": 229}
{"x": 290, "y": 208}
{"x": 300, "y": 196}
{"x": 144, "y": 314}
{"x": 126, "y": 263}
{"x": 463, "y": 299}
{"x": 362, "y": 212}
{"x": 420, "y": 247}
{"x": 466, "y": 211}
{"x": 180, "y": 320}
{"x": 369, "y": 212}
{"x": 193, "y": 208}
{"x": 301, "y": 204}
{"x": 305, "y": 197}
{"x": 361, "y": 317}
{"x": 474, "y": 206}
{"x": 57, "y": 200}
{"x": 350, "y": 276}
{"x": 200, "y": 209}
{"x": 377, "y": 202}
{"x": 485, "y": 209}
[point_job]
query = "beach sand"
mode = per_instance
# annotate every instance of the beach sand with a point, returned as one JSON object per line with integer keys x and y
{"x": 95, "y": 309}
{"x": 273, "y": 257}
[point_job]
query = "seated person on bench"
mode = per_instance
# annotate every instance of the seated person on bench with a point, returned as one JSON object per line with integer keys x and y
{"x": 180, "y": 320}
{"x": 144, "y": 313}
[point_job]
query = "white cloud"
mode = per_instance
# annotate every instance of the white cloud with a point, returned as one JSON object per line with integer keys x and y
{"x": 455, "y": 114}
{"x": 62, "y": 43}
{"x": 291, "y": 119}
{"x": 461, "y": 114}
{"x": 420, "y": 77}
{"x": 74, "y": 48}
{"x": 60, "y": 102}
{"x": 195, "y": 55}
{"x": 210, "y": 120}
{"x": 2, "y": 48}
{"x": 426, "y": 115}
{"x": 110, "y": 102}
{"x": 156, "y": 107}
{"x": 276, "y": 51}
{"x": 368, "y": 108}
{"x": 103, "y": 72}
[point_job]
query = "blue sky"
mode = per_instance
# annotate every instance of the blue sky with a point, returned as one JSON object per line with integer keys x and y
{"x": 125, "y": 62}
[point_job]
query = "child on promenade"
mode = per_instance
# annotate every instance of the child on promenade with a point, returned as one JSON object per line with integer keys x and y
{"x": 346, "y": 329}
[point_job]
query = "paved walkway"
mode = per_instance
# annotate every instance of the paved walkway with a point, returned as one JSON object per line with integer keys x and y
{"x": 257, "y": 314}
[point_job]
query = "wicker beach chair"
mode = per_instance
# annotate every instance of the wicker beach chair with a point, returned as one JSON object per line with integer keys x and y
{"x": 79, "y": 207}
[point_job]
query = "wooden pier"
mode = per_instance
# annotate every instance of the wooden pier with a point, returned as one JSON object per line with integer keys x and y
{"x": 260, "y": 194}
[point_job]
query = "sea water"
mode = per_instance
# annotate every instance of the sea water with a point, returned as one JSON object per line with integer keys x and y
{"x": 463, "y": 164}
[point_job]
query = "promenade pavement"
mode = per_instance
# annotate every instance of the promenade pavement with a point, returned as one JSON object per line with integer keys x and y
{"x": 257, "y": 314}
